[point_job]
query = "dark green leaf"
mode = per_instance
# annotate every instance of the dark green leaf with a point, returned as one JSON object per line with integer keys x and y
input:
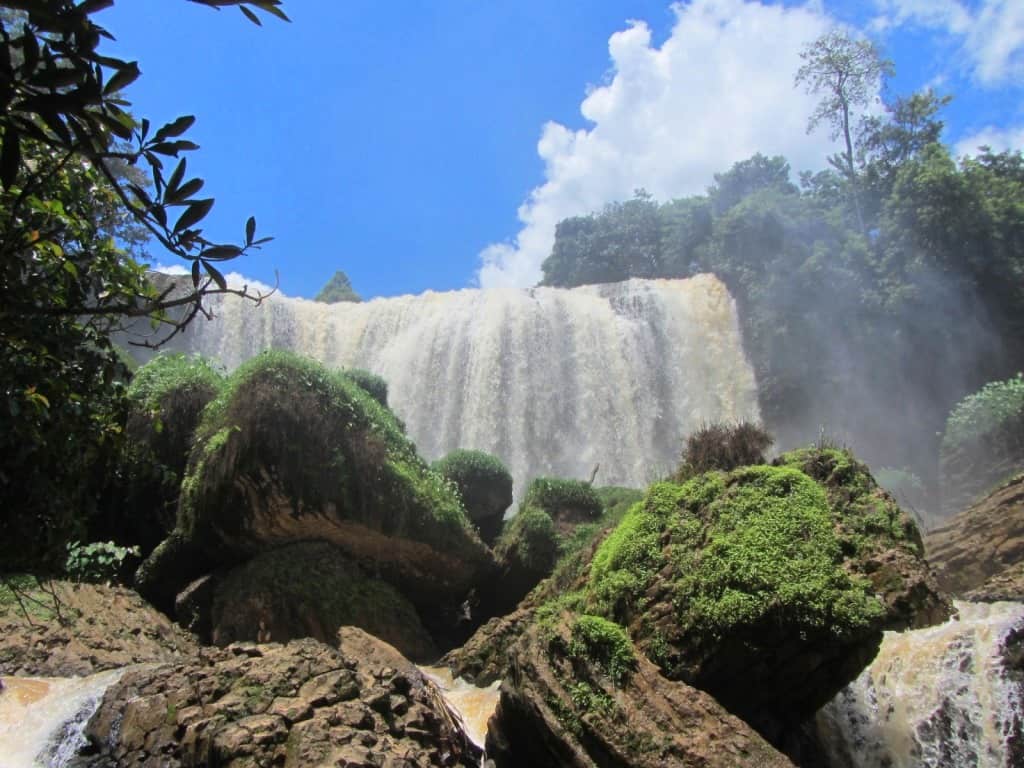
{"x": 172, "y": 148}
{"x": 188, "y": 189}
{"x": 195, "y": 273}
{"x": 175, "y": 180}
{"x": 194, "y": 213}
{"x": 218, "y": 278}
{"x": 10, "y": 158}
{"x": 30, "y": 48}
{"x": 250, "y": 230}
{"x": 251, "y": 16}
{"x": 124, "y": 77}
{"x": 221, "y": 252}
{"x": 175, "y": 128}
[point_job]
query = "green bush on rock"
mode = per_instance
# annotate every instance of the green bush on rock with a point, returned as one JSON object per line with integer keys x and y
{"x": 563, "y": 497}
{"x": 375, "y": 386}
{"x": 290, "y": 450}
{"x": 531, "y": 540}
{"x": 484, "y": 484}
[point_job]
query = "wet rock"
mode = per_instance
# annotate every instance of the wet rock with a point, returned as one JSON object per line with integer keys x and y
{"x": 299, "y": 704}
{"x": 981, "y": 543}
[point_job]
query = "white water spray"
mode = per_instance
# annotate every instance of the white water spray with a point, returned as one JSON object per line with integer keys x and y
{"x": 42, "y": 720}
{"x": 552, "y": 381}
{"x": 951, "y": 695}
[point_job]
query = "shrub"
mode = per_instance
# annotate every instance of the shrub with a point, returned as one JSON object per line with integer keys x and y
{"x": 371, "y": 383}
{"x": 605, "y": 644}
{"x": 99, "y": 562}
{"x": 722, "y": 447}
{"x": 531, "y": 538}
{"x": 484, "y": 485}
{"x": 996, "y": 410}
{"x": 557, "y": 495}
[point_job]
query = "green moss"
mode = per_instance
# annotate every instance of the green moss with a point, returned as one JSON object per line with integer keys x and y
{"x": 771, "y": 551}
{"x": 605, "y": 644}
{"x": 330, "y": 442}
{"x": 484, "y": 484}
{"x": 375, "y": 386}
{"x": 172, "y": 372}
{"x": 556, "y": 495}
{"x": 530, "y": 537}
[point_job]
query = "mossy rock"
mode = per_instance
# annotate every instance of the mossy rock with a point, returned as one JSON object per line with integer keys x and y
{"x": 292, "y": 451}
{"x": 485, "y": 486}
{"x": 567, "y": 501}
{"x": 310, "y": 589}
{"x": 375, "y": 386}
{"x": 768, "y": 586}
{"x": 166, "y": 399}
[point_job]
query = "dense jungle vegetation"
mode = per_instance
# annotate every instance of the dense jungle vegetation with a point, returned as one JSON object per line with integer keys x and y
{"x": 873, "y": 296}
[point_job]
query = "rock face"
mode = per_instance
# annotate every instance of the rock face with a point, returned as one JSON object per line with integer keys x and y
{"x": 102, "y": 628}
{"x": 293, "y": 705}
{"x": 569, "y": 704}
{"x": 767, "y": 587}
{"x": 310, "y": 589}
{"x": 290, "y": 451}
{"x": 981, "y": 543}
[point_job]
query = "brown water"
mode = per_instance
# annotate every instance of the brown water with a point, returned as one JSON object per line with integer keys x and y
{"x": 474, "y": 705}
{"x": 41, "y": 719}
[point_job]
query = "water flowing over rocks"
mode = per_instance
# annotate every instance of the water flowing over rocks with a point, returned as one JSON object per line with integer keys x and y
{"x": 951, "y": 695}
{"x": 551, "y": 381}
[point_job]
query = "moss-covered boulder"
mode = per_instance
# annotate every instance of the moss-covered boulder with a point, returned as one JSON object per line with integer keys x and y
{"x": 485, "y": 486}
{"x": 568, "y": 502}
{"x": 375, "y": 386}
{"x": 166, "y": 398}
{"x": 310, "y": 589}
{"x": 290, "y": 451}
{"x": 582, "y": 695}
{"x": 768, "y": 586}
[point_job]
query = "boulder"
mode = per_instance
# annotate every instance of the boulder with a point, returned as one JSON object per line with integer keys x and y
{"x": 310, "y": 589}
{"x": 579, "y": 695}
{"x": 769, "y": 587}
{"x": 981, "y": 543}
{"x": 80, "y": 629}
{"x": 485, "y": 487}
{"x": 290, "y": 451}
{"x": 299, "y": 704}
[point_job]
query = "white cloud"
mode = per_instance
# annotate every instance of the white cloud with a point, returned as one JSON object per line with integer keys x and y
{"x": 717, "y": 91}
{"x": 992, "y": 35}
{"x": 171, "y": 269}
{"x": 999, "y": 140}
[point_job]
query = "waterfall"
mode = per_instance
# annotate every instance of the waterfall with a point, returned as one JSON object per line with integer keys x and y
{"x": 42, "y": 720}
{"x": 474, "y": 705}
{"x": 552, "y": 381}
{"x": 951, "y": 695}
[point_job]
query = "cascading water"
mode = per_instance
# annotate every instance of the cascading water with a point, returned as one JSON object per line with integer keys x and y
{"x": 42, "y": 719}
{"x": 552, "y": 381}
{"x": 951, "y": 695}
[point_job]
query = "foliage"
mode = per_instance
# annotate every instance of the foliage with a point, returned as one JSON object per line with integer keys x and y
{"x": 995, "y": 409}
{"x": 333, "y": 443}
{"x": 98, "y": 562}
{"x": 337, "y": 289}
{"x": 375, "y": 386}
{"x": 485, "y": 485}
{"x": 604, "y": 643}
{"x": 846, "y": 72}
{"x": 560, "y": 495}
{"x": 756, "y": 544}
{"x": 72, "y": 191}
{"x": 723, "y": 447}
{"x": 530, "y": 537}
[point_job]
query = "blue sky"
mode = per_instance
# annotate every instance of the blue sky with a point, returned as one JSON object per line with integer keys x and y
{"x": 433, "y": 144}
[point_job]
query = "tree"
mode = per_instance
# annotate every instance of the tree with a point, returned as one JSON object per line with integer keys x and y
{"x": 337, "y": 289}
{"x": 846, "y": 73}
{"x": 71, "y": 194}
